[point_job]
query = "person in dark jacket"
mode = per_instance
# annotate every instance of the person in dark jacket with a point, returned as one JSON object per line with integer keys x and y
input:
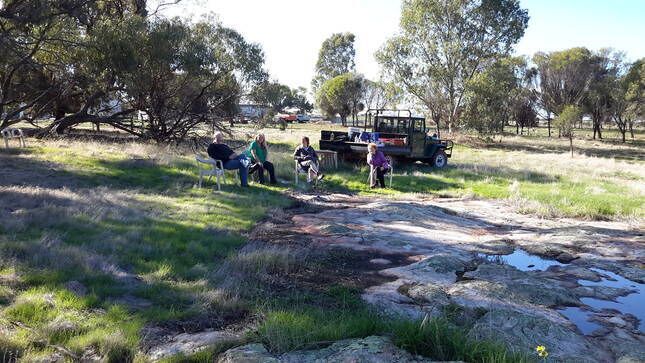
{"x": 308, "y": 160}
{"x": 231, "y": 160}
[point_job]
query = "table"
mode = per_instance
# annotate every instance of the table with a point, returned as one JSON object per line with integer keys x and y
{"x": 328, "y": 158}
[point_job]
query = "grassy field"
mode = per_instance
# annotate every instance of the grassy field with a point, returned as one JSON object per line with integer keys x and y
{"x": 100, "y": 241}
{"x": 604, "y": 179}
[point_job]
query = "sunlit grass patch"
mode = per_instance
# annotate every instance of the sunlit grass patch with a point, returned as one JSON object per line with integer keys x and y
{"x": 126, "y": 223}
{"x": 439, "y": 339}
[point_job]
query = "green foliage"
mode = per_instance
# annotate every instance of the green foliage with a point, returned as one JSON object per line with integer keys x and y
{"x": 627, "y": 98}
{"x": 492, "y": 94}
{"x": 279, "y": 96}
{"x": 567, "y": 119}
{"x": 443, "y": 44}
{"x": 336, "y": 57}
{"x": 41, "y": 42}
{"x": 341, "y": 95}
{"x": 564, "y": 77}
{"x": 101, "y": 61}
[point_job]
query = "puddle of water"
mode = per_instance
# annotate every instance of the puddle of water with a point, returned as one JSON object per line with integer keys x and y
{"x": 522, "y": 260}
{"x": 580, "y": 318}
{"x": 633, "y": 303}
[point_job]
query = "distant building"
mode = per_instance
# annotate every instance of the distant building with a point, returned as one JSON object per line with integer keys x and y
{"x": 253, "y": 111}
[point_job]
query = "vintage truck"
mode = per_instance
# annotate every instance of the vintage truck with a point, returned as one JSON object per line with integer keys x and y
{"x": 399, "y": 135}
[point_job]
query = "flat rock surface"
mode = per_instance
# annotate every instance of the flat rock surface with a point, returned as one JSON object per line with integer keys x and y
{"x": 372, "y": 349}
{"x": 511, "y": 275}
{"x": 189, "y": 343}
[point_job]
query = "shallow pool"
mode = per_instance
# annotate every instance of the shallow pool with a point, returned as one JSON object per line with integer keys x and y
{"x": 522, "y": 260}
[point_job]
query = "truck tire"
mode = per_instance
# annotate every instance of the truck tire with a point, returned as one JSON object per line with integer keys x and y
{"x": 439, "y": 159}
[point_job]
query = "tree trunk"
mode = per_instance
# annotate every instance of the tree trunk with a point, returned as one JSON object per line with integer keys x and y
{"x": 548, "y": 123}
{"x": 517, "y": 128}
{"x": 631, "y": 128}
{"x": 571, "y": 144}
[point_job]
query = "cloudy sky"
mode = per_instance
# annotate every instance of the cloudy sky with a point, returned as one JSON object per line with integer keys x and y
{"x": 291, "y": 31}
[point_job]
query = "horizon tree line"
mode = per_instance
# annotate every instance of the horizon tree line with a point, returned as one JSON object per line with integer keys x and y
{"x": 106, "y": 61}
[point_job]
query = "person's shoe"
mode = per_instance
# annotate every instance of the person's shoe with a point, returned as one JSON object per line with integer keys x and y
{"x": 372, "y": 186}
{"x": 320, "y": 177}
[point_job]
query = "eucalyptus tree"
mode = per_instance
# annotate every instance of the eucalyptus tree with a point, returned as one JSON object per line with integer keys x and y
{"x": 628, "y": 97}
{"x": 279, "y": 96}
{"x": 336, "y": 57}
{"x": 40, "y": 40}
{"x": 598, "y": 101}
{"x": 491, "y": 95}
{"x": 341, "y": 95}
{"x": 177, "y": 74}
{"x": 382, "y": 94}
{"x": 566, "y": 121}
{"x": 442, "y": 44}
{"x": 564, "y": 78}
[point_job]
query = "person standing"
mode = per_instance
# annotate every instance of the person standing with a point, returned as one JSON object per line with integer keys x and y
{"x": 258, "y": 153}
{"x": 307, "y": 159}
{"x": 379, "y": 164}
{"x": 230, "y": 160}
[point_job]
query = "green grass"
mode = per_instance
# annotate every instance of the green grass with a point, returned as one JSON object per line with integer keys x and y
{"x": 602, "y": 181}
{"x": 125, "y": 230}
{"x": 284, "y": 330}
{"x": 440, "y": 339}
{"x": 549, "y": 192}
{"x": 126, "y": 222}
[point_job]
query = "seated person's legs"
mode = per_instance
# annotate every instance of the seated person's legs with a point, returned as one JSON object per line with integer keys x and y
{"x": 260, "y": 169}
{"x": 380, "y": 172}
{"x": 269, "y": 167}
{"x": 237, "y": 164}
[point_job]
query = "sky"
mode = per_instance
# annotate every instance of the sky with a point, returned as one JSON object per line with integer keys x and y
{"x": 291, "y": 31}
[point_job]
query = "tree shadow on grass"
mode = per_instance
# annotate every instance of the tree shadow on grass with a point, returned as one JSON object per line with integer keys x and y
{"x": 134, "y": 234}
{"x": 635, "y": 152}
{"x": 425, "y": 179}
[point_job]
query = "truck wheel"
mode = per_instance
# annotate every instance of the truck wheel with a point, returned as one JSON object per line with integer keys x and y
{"x": 439, "y": 159}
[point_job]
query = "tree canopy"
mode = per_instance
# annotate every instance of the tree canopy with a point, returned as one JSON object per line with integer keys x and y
{"x": 443, "y": 43}
{"x": 103, "y": 61}
{"x": 336, "y": 57}
{"x": 279, "y": 96}
{"x": 341, "y": 95}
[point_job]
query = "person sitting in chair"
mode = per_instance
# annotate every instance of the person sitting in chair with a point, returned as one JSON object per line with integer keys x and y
{"x": 308, "y": 160}
{"x": 231, "y": 161}
{"x": 258, "y": 153}
{"x": 380, "y": 165}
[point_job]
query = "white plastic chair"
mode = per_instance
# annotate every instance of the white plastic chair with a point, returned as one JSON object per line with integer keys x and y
{"x": 371, "y": 176}
{"x": 298, "y": 170}
{"x": 216, "y": 168}
{"x": 13, "y": 133}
